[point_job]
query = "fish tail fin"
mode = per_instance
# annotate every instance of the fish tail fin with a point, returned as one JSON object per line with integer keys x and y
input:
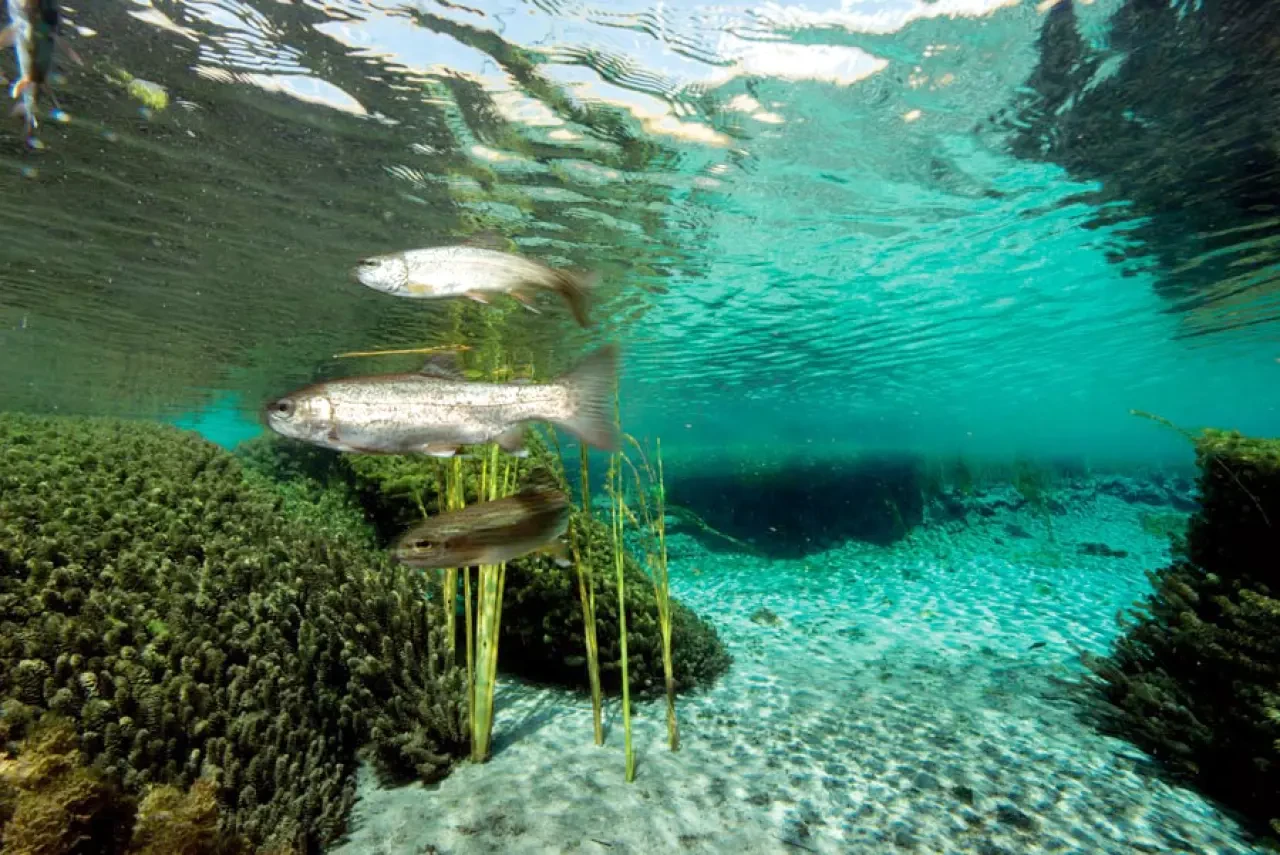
{"x": 590, "y": 387}
{"x": 576, "y": 289}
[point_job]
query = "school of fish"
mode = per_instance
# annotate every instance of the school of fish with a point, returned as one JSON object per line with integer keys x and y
{"x": 436, "y": 411}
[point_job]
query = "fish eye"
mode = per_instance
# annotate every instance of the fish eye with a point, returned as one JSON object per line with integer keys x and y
{"x": 283, "y": 407}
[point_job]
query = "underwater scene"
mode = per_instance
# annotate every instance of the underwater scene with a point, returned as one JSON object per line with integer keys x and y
{"x": 640, "y": 426}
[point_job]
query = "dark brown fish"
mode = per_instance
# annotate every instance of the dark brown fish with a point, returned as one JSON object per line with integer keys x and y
{"x": 489, "y": 532}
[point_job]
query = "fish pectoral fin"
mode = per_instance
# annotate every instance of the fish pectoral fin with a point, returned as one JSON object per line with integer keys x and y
{"x": 478, "y": 296}
{"x": 526, "y": 299}
{"x": 559, "y": 553}
{"x": 8, "y": 35}
{"x": 443, "y": 365}
{"x": 511, "y": 441}
{"x": 439, "y": 449}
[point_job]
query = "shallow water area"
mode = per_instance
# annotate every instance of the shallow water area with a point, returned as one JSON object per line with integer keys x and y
{"x": 908, "y": 698}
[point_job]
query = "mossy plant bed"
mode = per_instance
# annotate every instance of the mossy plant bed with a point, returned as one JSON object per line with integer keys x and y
{"x": 1196, "y": 678}
{"x": 194, "y": 624}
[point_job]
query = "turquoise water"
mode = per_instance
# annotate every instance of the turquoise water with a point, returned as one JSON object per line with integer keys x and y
{"x": 979, "y": 231}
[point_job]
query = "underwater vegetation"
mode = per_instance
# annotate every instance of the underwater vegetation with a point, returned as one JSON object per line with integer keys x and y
{"x": 193, "y": 627}
{"x": 52, "y": 801}
{"x": 542, "y": 627}
{"x": 1195, "y": 679}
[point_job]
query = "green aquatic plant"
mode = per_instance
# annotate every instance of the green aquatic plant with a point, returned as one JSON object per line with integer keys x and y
{"x": 1194, "y": 677}
{"x": 580, "y": 544}
{"x": 496, "y": 481}
{"x": 651, "y": 498}
{"x": 1168, "y": 525}
{"x": 618, "y": 510}
{"x": 543, "y": 626}
{"x": 1034, "y": 484}
{"x": 191, "y": 623}
{"x": 53, "y": 801}
{"x": 962, "y": 478}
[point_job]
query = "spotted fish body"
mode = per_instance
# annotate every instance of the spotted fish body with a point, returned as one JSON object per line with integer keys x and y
{"x": 436, "y": 412}
{"x": 476, "y": 272}
{"x": 489, "y": 532}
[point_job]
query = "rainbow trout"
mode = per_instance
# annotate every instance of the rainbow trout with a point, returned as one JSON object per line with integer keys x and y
{"x": 475, "y": 270}
{"x": 436, "y": 411}
{"x": 491, "y": 532}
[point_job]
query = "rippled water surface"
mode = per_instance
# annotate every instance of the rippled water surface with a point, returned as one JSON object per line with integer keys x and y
{"x": 964, "y": 224}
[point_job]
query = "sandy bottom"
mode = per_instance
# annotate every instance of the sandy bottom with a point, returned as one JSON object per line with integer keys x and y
{"x": 907, "y": 699}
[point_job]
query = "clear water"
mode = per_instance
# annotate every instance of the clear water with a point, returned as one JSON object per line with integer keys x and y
{"x": 823, "y": 228}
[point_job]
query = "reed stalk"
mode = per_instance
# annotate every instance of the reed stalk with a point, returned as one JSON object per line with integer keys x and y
{"x": 653, "y": 520}
{"x": 618, "y": 505}
{"x": 495, "y": 480}
{"x": 450, "y": 499}
{"x": 580, "y": 545}
{"x": 662, "y": 592}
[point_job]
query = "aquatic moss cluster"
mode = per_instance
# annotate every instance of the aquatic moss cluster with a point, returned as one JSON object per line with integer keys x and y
{"x": 192, "y": 625}
{"x": 54, "y": 802}
{"x": 542, "y": 626}
{"x": 1196, "y": 679}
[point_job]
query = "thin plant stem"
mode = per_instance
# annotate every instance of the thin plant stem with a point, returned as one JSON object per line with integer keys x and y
{"x": 619, "y": 507}
{"x": 492, "y": 581}
{"x": 584, "y": 474}
{"x": 587, "y": 594}
{"x": 580, "y": 545}
{"x": 662, "y": 591}
{"x": 653, "y": 521}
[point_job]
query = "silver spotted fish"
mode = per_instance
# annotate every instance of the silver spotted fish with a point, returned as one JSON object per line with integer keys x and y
{"x": 437, "y": 411}
{"x": 476, "y": 270}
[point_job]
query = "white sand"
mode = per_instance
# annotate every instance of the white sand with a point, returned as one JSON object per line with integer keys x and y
{"x": 897, "y": 707}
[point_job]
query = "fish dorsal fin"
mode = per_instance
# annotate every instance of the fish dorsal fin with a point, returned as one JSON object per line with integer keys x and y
{"x": 488, "y": 239}
{"x": 444, "y": 365}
